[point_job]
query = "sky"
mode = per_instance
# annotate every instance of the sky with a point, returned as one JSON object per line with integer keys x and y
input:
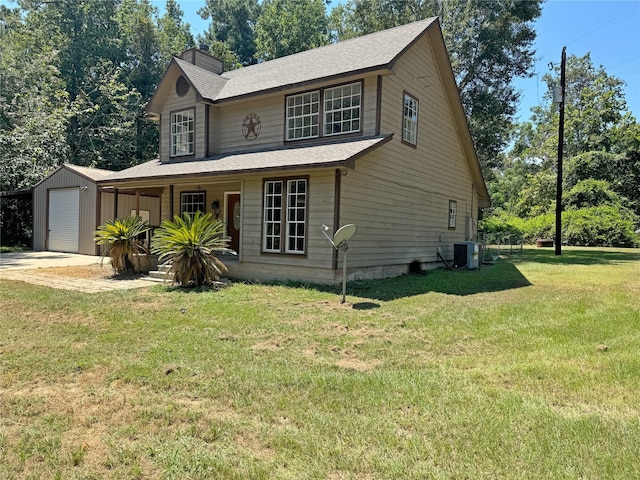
{"x": 608, "y": 29}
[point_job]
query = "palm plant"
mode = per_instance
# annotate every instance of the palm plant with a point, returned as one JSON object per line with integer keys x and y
{"x": 189, "y": 245}
{"x": 120, "y": 237}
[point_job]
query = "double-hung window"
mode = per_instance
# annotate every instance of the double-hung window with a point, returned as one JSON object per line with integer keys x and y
{"x": 410, "y": 120}
{"x": 285, "y": 216}
{"x": 325, "y": 112}
{"x": 303, "y": 116}
{"x": 192, "y": 202}
{"x": 182, "y": 132}
{"x": 342, "y": 109}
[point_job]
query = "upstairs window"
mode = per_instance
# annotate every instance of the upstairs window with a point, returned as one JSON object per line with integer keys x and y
{"x": 342, "y": 109}
{"x": 326, "y": 112}
{"x": 182, "y": 133}
{"x": 410, "y": 120}
{"x": 303, "y": 116}
{"x": 285, "y": 216}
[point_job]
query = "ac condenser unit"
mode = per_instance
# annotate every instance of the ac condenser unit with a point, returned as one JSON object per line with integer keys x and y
{"x": 466, "y": 255}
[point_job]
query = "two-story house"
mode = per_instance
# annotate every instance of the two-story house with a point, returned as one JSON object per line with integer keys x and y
{"x": 368, "y": 131}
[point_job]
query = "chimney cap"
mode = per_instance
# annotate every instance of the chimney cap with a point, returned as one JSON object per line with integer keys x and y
{"x": 204, "y": 47}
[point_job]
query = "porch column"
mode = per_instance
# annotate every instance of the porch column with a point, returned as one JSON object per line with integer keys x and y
{"x": 115, "y": 203}
{"x": 170, "y": 202}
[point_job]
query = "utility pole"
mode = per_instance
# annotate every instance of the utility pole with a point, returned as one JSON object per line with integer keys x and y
{"x": 560, "y": 152}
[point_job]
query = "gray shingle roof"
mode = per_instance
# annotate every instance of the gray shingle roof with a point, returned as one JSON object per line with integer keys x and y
{"x": 370, "y": 52}
{"x": 88, "y": 172}
{"x": 308, "y": 156}
{"x": 208, "y": 84}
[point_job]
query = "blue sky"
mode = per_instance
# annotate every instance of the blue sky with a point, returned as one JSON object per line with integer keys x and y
{"x": 609, "y": 29}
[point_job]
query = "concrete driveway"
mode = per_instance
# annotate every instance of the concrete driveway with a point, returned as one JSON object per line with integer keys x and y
{"x": 31, "y": 267}
{"x": 32, "y": 260}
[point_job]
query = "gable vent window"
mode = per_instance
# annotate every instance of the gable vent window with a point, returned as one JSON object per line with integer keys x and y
{"x": 410, "y": 120}
{"x": 182, "y": 132}
{"x": 182, "y": 86}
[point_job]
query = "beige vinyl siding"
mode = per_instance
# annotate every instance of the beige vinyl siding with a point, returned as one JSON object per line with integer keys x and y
{"x": 65, "y": 178}
{"x": 126, "y": 203}
{"x": 369, "y": 105}
{"x": 317, "y": 264}
{"x": 271, "y": 112}
{"x": 399, "y": 195}
{"x": 175, "y": 103}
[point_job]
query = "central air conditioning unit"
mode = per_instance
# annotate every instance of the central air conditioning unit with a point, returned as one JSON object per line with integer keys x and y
{"x": 466, "y": 255}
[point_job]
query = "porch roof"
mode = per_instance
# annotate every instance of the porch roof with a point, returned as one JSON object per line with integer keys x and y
{"x": 343, "y": 153}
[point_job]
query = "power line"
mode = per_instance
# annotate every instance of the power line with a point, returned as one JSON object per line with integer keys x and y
{"x": 603, "y": 24}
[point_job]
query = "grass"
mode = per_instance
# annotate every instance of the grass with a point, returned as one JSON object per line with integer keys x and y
{"x": 528, "y": 368}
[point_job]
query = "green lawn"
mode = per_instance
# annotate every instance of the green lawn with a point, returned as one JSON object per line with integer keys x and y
{"x": 529, "y": 368}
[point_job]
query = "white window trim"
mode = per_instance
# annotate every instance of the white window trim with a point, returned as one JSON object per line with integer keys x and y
{"x": 191, "y": 206}
{"x": 410, "y": 121}
{"x": 350, "y": 91}
{"x": 280, "y": 212}
{"x": 272, "y": 217}
{"x": 292, "y": 115}
{"x": 320, "y": 116}
{"x": 182, "y": 132}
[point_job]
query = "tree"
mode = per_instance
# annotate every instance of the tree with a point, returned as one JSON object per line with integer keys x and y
{"x": 489, "y": 43}
{"x": 591, "y": 193}
{"x": 174, "y": 36}
{"x": 290, "y": 26}
{"x": 602, "y": 139}
{"x": 34, "y": 106}
{"x": 233, "y": 22}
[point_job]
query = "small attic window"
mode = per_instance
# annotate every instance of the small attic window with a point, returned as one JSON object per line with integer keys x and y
{"x": 182, "y": 86}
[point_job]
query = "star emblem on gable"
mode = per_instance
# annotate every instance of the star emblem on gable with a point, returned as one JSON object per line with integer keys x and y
{"x": 251, "y": 126}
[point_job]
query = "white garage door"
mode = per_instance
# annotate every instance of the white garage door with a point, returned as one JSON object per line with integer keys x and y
{"x": 64, "y": 220}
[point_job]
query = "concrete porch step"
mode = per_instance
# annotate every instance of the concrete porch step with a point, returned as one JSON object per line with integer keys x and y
{"x": 160, "y": 275}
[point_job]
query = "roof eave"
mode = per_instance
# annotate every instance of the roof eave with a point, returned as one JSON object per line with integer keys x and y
{"x": 460, "y": 117}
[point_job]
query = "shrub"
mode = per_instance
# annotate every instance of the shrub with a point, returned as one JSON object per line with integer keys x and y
{"x": 189, "y": 246}
{"x": 603, "y": 226}
{"x": 120, "y": 237}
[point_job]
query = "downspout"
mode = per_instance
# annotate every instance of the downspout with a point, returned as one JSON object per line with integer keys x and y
{"x": 337, "y": 189}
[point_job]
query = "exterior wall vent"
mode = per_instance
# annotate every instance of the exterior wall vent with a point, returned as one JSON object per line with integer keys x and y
{"x": 182, "y": 86}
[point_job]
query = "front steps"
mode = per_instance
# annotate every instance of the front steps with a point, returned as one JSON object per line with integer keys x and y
{"x": 160, "y": 275}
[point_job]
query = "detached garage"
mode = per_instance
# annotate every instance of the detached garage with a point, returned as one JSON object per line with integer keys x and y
{"x": 68, "y": 207}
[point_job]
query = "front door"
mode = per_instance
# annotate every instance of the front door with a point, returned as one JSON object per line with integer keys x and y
{"x": 233, "y": 221}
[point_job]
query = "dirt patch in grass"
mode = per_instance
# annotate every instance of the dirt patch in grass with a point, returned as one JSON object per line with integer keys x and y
{"x": 97, "y": 271}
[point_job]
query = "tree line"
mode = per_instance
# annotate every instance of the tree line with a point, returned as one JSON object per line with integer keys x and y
{"x": 75, "y": 76}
